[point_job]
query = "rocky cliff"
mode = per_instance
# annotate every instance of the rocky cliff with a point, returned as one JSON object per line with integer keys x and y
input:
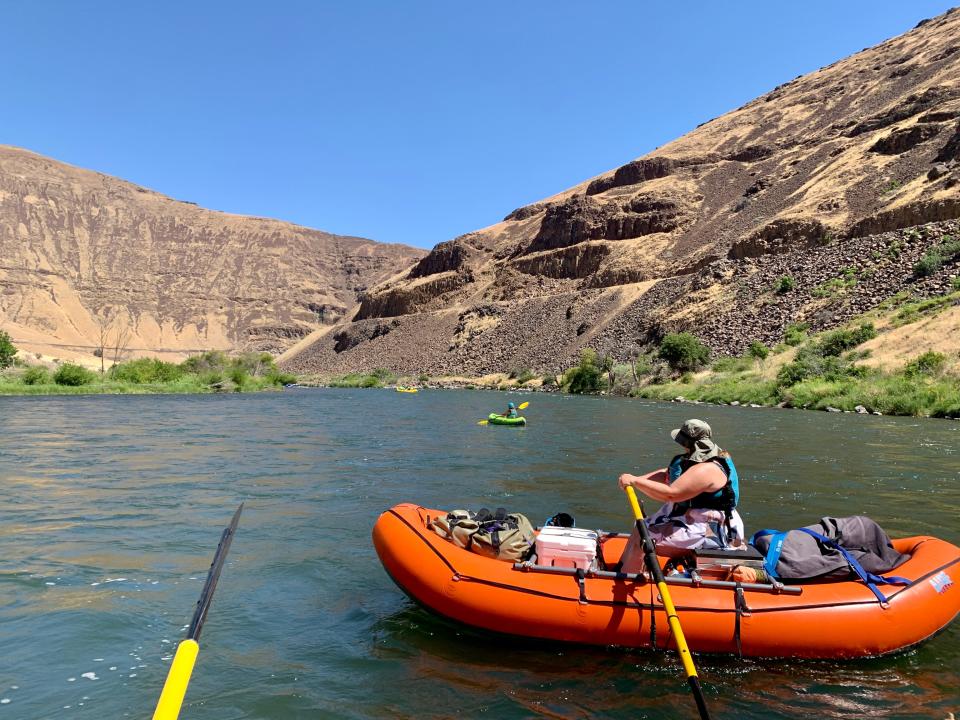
{"x": 78, "y": 248}
{"x": 802, "y": 181}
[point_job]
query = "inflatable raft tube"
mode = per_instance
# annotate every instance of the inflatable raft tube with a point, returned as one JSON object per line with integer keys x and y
{"x": 826, "y": 620}
{"x": 495, "y": 419}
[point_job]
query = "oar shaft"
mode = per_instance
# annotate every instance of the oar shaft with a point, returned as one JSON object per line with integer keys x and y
{"x": 680, "y": 639}
{"x": 677, "y": 631}
{"x": 175, "y": 688}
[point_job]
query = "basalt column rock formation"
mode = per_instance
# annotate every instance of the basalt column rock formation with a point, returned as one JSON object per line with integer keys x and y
{"x": 862, "y": 148}
{"x": 78, "y": 248}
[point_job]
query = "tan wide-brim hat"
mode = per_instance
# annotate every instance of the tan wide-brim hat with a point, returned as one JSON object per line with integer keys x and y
{"x": 696, "y": 436}
{"x": 691, "y": 431}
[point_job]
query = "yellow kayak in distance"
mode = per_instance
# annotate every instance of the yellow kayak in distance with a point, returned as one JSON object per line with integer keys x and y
{"x": 406, "y": 389}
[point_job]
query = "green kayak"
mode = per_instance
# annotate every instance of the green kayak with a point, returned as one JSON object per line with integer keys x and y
{"x": 495, "y": 419}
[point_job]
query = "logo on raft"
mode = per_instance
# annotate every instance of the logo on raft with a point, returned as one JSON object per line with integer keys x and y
{"x": 941, "y": 582}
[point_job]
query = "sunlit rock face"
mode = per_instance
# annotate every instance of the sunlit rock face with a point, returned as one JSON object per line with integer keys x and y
{"x": 78, "y": 246}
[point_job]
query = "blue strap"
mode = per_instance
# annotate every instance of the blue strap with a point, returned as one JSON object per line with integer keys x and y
{"x": 773, "y": 549}
{"x": 868, "y": 578}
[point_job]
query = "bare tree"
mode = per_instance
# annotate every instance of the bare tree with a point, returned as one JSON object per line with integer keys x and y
{"x": 120, "y": 343}
{"x": 104, "y": 324}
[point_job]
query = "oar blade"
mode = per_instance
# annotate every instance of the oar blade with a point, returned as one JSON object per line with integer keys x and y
{"x": 483, "y": 422}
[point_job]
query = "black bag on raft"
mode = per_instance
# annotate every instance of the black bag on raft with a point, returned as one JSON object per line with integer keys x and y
{"x": 802, "y": 555}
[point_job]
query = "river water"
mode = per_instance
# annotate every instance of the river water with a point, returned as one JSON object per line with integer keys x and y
{"x": 112, "y": 508}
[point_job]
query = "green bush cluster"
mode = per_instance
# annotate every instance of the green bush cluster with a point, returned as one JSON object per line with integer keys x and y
{"x": 938, "y": 255}
{"x": 683, "y": 352}
{"x": 521, "y": 375}
{"x": 838, "y": 341}
{"x": 376, "y": 378}
{"x": 822, "y": 359}
{"x": 758, "y": 350}
{"x": 587, "y": 376}
{"x": 248, "y": 370}
{"x": 73, "y": 375}
{"x": 795, "y": 334}
{"x": 211, "y": 360}
{"x": 785, "y": 285}
{"x": 147, "y": 370}
{"x": 837, "y": 285}
{"x": 643, "y": 365}
{"x": 36, "y": 375}
{"x": 930, "y": 363}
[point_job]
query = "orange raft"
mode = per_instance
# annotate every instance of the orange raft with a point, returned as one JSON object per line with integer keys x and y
{"x": 823, "y": 620}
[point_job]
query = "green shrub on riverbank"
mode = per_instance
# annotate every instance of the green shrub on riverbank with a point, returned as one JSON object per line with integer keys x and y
{"x": 73, "y": 375}
{"x": 378, "y": 378}
{"x": 683, "y": 351}
{"x": 36, "y": 375}
{"x": 147, "y": 370}
{"x": 586, "y": 377}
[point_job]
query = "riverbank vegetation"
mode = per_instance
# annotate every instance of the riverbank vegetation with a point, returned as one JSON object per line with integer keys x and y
{"x": 208, "y": 372}
{"x": 825, "y": 371}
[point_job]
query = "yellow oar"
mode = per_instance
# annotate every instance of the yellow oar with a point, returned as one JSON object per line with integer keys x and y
{"x": 521, "y": 406}
{"x": 649, "y": 554}
{"x": 174, "y": 689}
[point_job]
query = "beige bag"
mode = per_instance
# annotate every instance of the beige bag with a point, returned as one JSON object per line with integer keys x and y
{"x": 501, "y": 535}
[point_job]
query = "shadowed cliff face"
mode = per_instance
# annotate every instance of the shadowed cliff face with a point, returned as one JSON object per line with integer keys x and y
{"x": 76, "y": 246}
{"x": 867, "y": 145}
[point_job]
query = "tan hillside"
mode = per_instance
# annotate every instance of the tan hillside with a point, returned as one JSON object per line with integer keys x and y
{"x": 801, "y": 182}
{"x": 78, "y": 246}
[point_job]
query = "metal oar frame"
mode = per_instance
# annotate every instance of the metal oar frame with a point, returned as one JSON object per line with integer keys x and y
{"x": 775, "y": 588}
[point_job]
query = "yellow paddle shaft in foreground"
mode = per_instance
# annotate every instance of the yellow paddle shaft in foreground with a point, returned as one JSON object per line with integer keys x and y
{"x": 178, "y": 678}
{"x": 654, "y": 567}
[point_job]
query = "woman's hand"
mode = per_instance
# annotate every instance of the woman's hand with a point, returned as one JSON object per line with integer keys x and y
{"x": 626, "y": 480}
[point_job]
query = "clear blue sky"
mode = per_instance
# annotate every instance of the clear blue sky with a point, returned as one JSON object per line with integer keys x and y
{"x": 400, "y": 121}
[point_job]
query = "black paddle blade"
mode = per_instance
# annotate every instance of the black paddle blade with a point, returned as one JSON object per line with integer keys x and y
{"x": 206, "y": 596}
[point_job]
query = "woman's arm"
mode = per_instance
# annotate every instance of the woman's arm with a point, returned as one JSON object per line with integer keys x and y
{"x": 700, "y": 478}
{"x": 652, "y": 480}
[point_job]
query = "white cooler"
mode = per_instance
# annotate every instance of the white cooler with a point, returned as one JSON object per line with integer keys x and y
{"x": 567, "y": 547}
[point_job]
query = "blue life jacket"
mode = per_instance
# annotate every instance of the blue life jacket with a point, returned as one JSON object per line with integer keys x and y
{"x": 725, "y": 499}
